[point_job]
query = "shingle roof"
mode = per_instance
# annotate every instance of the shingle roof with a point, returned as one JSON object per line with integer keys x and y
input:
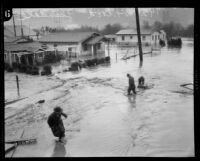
{"x": 132, "y": 32}
{"x": 95, "y": 40}
{"x": 31, "y": 47}
{"x": 67, "y": 37}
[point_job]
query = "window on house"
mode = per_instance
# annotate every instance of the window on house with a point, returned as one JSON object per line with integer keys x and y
{"x": 69, "y": 49}
{"x": 143, "y": 37}
{"x": 85, "y": 47}
{"x": 40, "y": 55}
{"x": 158, "y": 37}
{"x": 152, "y": 37}
{"x": 98, "y": 46}
{"x": 131, "y": 37}
{"x": 123, "y": 38}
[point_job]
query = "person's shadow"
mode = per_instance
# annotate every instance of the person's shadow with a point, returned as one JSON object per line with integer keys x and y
{"x": 59, "y": 150}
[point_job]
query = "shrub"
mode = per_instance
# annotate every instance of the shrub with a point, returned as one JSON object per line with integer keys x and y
{"x": 43, "y": 73}
{"x": 101, "y": 60}
{"x": 83, "y": 64}
{"x": 28, "y": 69}
{"x": 90, "y": 62}
{"x": 59, "y": 57}
{"x": 47, "y": 69}
{"x": 6, "y": 66}
{"x": 49, "y": 58}
{"x": 10, "y": 69}
{"x": 107, "y": 59}
{"x": 95, "y": 61}
{"x": 35, "y": 70}
{"x": 161, "y": 42}
{"x": 74, "y": 66}
{"x": 22, "y": 68}
{"x": 15, "y": 65}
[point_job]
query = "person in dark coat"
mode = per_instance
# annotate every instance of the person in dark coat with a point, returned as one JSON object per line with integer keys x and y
{"x": 141, "y": 82}
{"x": 131, "y": 84}
{"x": 56, "y": 124}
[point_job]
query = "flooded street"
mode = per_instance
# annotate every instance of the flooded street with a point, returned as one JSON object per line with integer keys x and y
{"x": 102, "y": 119}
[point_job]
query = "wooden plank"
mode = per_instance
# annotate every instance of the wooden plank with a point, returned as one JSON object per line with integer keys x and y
{"x": 9, "y": 147}
{"x": 22, "y": 141}
{"x": 7, "y": 103}
{"x": 17, "y": 145}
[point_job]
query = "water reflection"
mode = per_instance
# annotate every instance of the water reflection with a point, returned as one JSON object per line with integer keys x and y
{"x": 174, "y": 49}
{"x": 132, "y": 100}
{"x": 59, "y": 150}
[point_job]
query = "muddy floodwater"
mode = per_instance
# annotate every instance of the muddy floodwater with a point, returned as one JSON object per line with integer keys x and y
{"x": 102, "y": 119}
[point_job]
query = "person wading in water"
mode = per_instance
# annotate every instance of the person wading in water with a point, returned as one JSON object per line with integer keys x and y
{"x": 56, "y": 124}
{"x": 131, "y": 84}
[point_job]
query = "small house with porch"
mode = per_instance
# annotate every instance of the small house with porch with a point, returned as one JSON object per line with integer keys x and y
{"x": 74, "y": 44}
{"x": 28, "y": 53}
{"x": 129, "y": 37}
{"x": 156, "y": 36}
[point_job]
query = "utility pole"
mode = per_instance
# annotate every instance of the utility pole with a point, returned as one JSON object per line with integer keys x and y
{"x": 14, "y": 25}
{"x": 139, "y": 35}
{"x": 22, "y": 34}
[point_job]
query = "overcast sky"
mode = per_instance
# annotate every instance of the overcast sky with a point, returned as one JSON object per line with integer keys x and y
{"x": 76, "y": 17}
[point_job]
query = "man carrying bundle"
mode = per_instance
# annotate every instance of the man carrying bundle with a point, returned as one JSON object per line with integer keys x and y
{"x": 56, "y": 124}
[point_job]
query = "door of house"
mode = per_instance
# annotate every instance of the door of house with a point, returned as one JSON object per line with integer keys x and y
{"x": 23, "y": 61}
{"x": 30, "y": 59}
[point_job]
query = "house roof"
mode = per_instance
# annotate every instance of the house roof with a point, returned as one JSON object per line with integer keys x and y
{"x": 110, "y": 36}
{"x": 67, "y": 37}
{"x": 30, "y": 47}
{"x": 11, "y": 39}
{"x": 95, "y": 40}
{"x": 132, "y": 32}
{"x": 8, "y": 29}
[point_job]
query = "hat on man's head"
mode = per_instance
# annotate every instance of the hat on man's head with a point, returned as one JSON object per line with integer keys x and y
{"x": 58, "y": 109}
{"x": 128, "y": 74}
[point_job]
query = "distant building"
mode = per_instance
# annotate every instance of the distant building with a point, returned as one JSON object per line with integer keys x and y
{"x": 111, "y": 38}
{"x": 128, "y": 37}
{"x": 74, "y": 44}
{"x": 156, "y": 36}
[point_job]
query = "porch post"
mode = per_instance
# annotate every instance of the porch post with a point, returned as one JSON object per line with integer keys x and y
{"x": 27, "y": 62}
{"x": 92, "y": 50}
{"x": 43, "y": 54}
{"x": 34, "y": 62}
{"x": 19, "y": 56}
{"x": 10, "y": 58}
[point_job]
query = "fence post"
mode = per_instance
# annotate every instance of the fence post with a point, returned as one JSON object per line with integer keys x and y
{"x": 17, "y": 81}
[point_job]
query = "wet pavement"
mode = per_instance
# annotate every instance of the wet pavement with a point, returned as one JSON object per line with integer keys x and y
{"x": 103, "y": 120}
